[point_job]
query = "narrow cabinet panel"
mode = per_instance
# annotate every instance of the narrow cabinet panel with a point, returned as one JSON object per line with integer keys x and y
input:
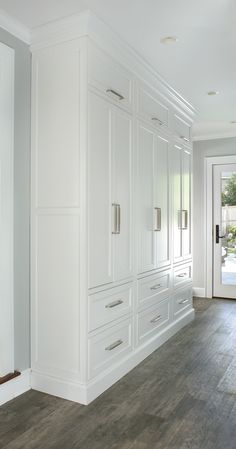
{"x": 100, "y": 191}
{"x": 176, "y": 157}
{"x": 161, "y": 200}
{"x": 122, "y": 193}
{"x": 145, "y": 199}
{"x": 186, "y": 200}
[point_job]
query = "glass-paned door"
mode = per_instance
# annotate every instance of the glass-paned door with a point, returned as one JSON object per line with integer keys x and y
{"x": 224, "y": 214}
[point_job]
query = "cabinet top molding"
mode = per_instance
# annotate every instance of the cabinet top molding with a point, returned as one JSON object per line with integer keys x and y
{"x": 86, "y": 24}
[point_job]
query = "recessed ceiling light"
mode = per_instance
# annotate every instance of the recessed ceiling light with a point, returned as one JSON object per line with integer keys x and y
{"x": 169, "y": 40}
{"x": 211, "y": 93}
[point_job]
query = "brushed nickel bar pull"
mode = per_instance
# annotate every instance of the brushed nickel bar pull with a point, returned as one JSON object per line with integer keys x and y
{"x": 155, "y": 287}
{"x": 118, "y": 218}
{"x": 183, "y": 301}
{"x": 156, "y": 119}
{"x": 114, "y": 304}
{"x": 182, "y": 275}
{"x": 115, "y": 218}
{"x": 184, "y": 219}
{"x": 157, "y": 219}
{"x": 156, "y": 319}
{"x": 111, "y": 91}
{"x": 114, "y": 345}
{"x": 184, "y": 138}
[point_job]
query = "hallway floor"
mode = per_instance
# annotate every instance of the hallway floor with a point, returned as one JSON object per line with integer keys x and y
{"x": 181, "y": 397}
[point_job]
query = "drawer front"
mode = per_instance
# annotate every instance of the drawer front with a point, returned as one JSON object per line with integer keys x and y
{"x": 109, "y": 77}
{"x": 154, "y": 288}
{"x": 152, "y": 108}
{"x": 182, "y": 301}
{"x": 181, "y": 128}
{"x": 109, "y": 347}
{"x": 182, "y": 275}
{"x": 152, "y": 320}
{"x": 106, "y": 306}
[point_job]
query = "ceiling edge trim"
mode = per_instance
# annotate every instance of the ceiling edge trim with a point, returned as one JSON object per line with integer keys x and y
{"x": 214, "y": 136}
{"x": 14, "y": 27}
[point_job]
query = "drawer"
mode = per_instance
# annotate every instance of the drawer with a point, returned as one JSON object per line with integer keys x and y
{"x": 107, "y": 306}
{"x": 110, "y": 78}
{"x": 181, "y": 127}
{"x": 152, "y": 320}
{"x": 109, "y": 347}
{"x": 154, "y": 288}
{"x": 182, "y": 275}
{"x": 182, "y": 301}
{"x": 151, "y": 107}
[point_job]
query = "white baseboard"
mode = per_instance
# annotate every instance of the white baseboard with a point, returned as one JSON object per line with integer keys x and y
{"x": 199, "y": 292}
{"x": 84, "y": 394}
{"x": 15, "y": 387}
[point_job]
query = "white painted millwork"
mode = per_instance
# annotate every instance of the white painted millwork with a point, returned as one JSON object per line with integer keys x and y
{"x": 6, "y": 209}
{"x": 102, "y": 212}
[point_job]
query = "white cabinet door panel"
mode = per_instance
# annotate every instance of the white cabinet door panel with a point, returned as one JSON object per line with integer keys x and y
{"x": 177, "y": 203}
{"x": 100, "y": 191}
{"x": 122, "y": 192}
{"x": 161, "y": 201}
{"x": 186, "y": 200}
{"x": 145, "y": 199}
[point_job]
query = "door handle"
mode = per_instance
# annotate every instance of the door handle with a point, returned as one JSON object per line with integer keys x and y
{"x": 117, "y": 213}
{"x": 218, "y": 236}
{"x": 157, "y": 219}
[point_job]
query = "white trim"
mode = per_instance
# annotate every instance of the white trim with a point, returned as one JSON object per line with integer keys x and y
{"x": 15, "y": 387}
{"x": 199, "y": 292}
{"x": 214, "y": 136}
{"x": 209, "y": 162}
{"x": 85, "y": 394}
{"x": 14, "y": 27}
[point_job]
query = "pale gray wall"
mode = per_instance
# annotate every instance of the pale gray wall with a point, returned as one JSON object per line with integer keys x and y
{"x": 21, "y": 198}
{"x": 202, "y": 149}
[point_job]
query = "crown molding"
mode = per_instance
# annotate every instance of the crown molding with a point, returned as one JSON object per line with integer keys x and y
{"x": 14, "y": 27}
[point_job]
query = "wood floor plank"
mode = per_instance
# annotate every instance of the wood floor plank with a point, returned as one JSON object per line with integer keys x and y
{"x": 181, "y": 397}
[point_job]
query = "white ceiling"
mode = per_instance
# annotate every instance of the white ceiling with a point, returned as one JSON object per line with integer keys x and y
{"x": 202, "y": 60}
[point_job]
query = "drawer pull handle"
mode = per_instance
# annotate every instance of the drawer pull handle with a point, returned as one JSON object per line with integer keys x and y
{"x": 156, "y": 319}
{"x": 182, "y": 275}
{"x": 156, "y": 119}
{"x": 114, "y": 345}
{"x": 155, "y": 287}
{"x": 184, "y": 301}
{"x": 114, "y": 304}
{"x": 111, "y": 91}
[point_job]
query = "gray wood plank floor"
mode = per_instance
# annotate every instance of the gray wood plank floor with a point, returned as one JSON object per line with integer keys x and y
{"x": 181, "y": 397}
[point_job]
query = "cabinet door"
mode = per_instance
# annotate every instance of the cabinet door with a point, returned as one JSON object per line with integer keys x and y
{"x": 145, "y": 199}
{"x": 122, "y": 193}
{"x": 161, "y": 202}
{"x": 177, "y": 201}
{"x": 100, "y": 192}
{"x": 186, "y": 203}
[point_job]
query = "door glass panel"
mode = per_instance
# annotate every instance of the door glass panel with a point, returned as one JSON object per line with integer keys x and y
{"x": 228, "y": 228}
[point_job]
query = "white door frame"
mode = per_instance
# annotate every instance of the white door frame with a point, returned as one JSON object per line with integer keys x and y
{"x": 209, "y": 162}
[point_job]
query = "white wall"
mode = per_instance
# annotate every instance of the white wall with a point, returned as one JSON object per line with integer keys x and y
{"x": 202, "y": 149}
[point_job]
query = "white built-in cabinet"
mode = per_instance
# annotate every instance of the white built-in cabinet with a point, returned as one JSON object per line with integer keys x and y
{"x": 110, "y": 214}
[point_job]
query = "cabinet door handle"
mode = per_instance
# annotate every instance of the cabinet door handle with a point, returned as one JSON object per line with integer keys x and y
{"x": 111, "y": 91}
{"x": 156, "y": 119}
{"x": 114, "y": 345}
{"x": 183, "y": 219}
{"x": 156, "y": 319}
{"x": 182, "y": 275}
{"x": 184, "y": 138}
{"x": 183, "y": 301}
{"x": 155, "y": 287}
{"x": 157, "y": 219}
{"x": 114, "y": 304}
{"x": 116, "y": 218}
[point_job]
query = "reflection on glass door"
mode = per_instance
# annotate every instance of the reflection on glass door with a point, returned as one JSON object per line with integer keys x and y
{"x": 224, "y": 204}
